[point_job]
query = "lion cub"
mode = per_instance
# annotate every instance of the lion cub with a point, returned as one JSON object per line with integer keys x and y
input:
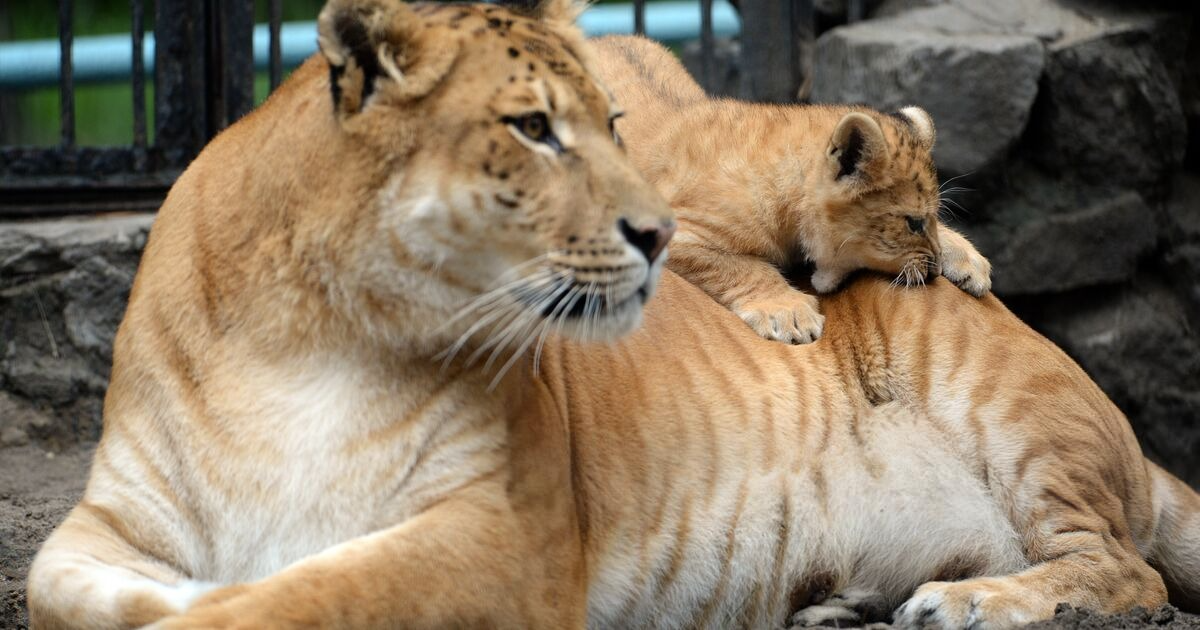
{"x": 757, "y": 187}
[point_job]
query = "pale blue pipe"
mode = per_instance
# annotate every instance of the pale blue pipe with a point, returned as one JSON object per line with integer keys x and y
{"x": 34, "y": 63}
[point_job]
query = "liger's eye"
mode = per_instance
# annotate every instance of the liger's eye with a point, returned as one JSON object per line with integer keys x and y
{"x": 916, "y": 224}
{"x": 536, "y": 127}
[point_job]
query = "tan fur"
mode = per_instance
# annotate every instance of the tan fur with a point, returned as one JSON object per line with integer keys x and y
{"x": 283, "y": 448}
{"x": 756, "y": 187}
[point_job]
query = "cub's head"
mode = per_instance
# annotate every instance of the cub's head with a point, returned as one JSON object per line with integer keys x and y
{"x": 499, "y": 195}
{"x": 878, "y": 192}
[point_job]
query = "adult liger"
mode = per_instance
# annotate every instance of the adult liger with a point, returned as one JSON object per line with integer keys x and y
{"x": 316, "y": 417}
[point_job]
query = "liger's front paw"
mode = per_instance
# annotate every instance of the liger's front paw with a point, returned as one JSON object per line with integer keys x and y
{"x": 791, "y": 317}
{"x": 978, "y": 604}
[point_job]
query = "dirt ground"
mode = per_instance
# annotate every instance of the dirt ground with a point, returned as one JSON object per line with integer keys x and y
{"x": 38, "y": 489}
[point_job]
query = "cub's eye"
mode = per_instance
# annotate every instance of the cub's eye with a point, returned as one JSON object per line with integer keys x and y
{"x": 536, "y": 127}
{"x": 916, "y": 224}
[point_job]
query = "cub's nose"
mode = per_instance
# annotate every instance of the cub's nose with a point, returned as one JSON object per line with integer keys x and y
{"x": 650, "y": 241}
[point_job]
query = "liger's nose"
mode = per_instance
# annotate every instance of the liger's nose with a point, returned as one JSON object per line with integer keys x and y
{"x": 650, "y": 241}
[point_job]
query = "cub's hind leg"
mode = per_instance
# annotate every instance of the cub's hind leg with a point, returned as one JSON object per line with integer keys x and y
{"x": 849, "y": 608}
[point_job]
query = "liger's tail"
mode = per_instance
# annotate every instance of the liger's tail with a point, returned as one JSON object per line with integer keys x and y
{"x": 1175, "y": 550}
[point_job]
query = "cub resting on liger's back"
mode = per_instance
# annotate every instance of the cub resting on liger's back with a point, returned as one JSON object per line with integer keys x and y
{"x": 756, "y": 187}
{"x": 327, "y": 407}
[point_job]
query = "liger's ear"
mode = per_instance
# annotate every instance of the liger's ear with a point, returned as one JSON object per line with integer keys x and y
{"x": 371, "y": 44}
{"x": 858, "y": 152}
{"x": 562, "y": 11}
{"x": 921, "y": 124}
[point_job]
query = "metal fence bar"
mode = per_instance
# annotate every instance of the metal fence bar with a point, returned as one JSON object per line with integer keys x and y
{"x": 707, "y": 43}
{"x": 770, "y": 59}
{"x": 639, "y": 17}
{"x": 179, "y": 104}
{"x": 139, "y": 73}
{"x": 66, "y": 83}
{"x": 229, "y": 58}
{"x": 276, "y": 22}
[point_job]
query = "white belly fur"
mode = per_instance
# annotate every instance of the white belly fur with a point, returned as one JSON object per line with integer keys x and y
{"x": 899, "y": 505}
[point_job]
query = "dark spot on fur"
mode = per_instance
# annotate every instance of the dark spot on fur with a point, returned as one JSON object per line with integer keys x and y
{"x": 493, "y": 22}
{"x": 507, "y": 203}
{"x": 572, "y": 238}
{"x": 503, "y": 175}
{"x": 519, "y": 193}
{"x": 851, "y": 154}
{"x": 959, "y": 568}
{"x": 487, "y": 168}
{"x": 512, "y": 79}
{"x": 812, "y": 589}
{"x": 491, "y": 146}
{"x": 513, "y": 52}
{"x": 531, "y": 67}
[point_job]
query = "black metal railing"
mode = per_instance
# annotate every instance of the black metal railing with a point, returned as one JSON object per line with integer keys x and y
{"x": 204, "y": 80}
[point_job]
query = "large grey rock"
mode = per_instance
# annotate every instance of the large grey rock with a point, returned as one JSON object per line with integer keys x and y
{"x": 1099, "y": 244}
{"x": 63, "y": 288}
{"x": 1181, "y": 233}
{"x": 979, "y": 87}
{"x": 1137, "y": 344}
{"x": 1109, "y": 111}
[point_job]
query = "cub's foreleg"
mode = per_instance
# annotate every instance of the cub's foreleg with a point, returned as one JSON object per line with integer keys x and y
{"x": 752, "y": 288}
{"x": 464, "y": 563}
{"x": 962, "y": 264}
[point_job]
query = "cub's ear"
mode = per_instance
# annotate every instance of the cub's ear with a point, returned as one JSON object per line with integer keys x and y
{"x": 921, "y": 124}
{"x": 858, "y": 152}
{"x": 373, "y": 45}
{"x": 562, "y": 11}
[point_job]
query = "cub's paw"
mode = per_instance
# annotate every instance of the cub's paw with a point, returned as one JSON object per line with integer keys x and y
{"x": 979, "y": 604}
{"x": 791, "y": 317}
{"x": 967, "y": 269}
{"x": 851, "y": 608}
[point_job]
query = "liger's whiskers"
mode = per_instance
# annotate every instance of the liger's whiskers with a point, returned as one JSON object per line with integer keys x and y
{"x": 531, "y": 317}
{"x": 558, "y": 312}
{"x": 497, "y": 308}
